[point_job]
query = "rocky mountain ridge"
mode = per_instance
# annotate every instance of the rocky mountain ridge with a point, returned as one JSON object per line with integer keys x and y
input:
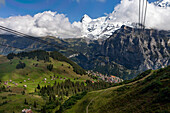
{"x": 125, "y": 53}
{"x": 128, "y": 51}
{"x": 104, "y": 27}
{"x": 162, "y": 3}
{"x": 137, "y": 49}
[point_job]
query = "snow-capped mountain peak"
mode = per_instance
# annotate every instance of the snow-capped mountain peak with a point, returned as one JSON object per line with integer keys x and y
{"x": 104, "y": 27}
{"x": 85, "y": 19}
{"x": 100, "y": 28}
{"x": 162, "y": 3}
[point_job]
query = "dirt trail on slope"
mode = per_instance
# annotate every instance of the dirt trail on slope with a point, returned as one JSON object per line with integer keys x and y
{"x": 113, "y": 88}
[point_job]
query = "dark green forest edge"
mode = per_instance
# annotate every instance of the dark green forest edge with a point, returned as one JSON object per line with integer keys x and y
{"x": 150, "y": 95}
{"x": 149, "y": 92}
{"x": 47, "y": 97}
{"x": 43, "y": 55}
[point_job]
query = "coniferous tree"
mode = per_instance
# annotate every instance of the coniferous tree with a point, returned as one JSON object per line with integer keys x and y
{"x": 20, "y": 65}
{"x": 55, "y": 83}
{"x": 50, "y": 98}
{"x": 25, "y": 102}
{"x": 10, "y": 56}
{"x": 43, "y": 110}
{"x": 50, "y": 67}
{"x": 23, "y": 92}
{"x": 54, "y": 98}
{"x": 35, "y": 104}
{"x": 57, "y": 102}
{"x": 38, "y": 87}
{"x": 67, "y": 94}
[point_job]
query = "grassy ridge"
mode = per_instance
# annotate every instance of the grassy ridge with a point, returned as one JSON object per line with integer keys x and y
{"x": 43, "y": 55}
{"x": 12, "y": 102}
{"x": 61, "y": 69}
{"x": 13, "y": 99}
{"x": 76, "y": 68}
{"x": 149, "y": 94}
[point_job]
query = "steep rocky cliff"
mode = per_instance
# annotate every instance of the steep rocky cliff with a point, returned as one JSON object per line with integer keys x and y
{"x": 137, "y": 49}
{"x": 127, "y": 52}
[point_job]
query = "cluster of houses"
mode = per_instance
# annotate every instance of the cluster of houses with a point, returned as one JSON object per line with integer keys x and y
{"x": 106, "y": 78}
{"x": 6, "y": 83}
{"x": 111, "y": 79}
{"x": 27, "y": 111}
{"x": 16, "y": 84}
{"x": 44, "y": 80}
{"x": 52, "y": 78}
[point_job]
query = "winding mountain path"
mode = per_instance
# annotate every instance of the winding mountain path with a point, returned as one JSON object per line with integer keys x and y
{"x": 113, "y": 88}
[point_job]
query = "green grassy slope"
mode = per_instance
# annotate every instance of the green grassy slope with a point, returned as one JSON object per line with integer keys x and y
{"x": 62, "y": 69}
{"x": 12, "y": 99}
{"x": 148, "y": 94}
{"x": 3, "y": 59}
{"x": 8, "y": 69}
{"x": 14, "y": 102}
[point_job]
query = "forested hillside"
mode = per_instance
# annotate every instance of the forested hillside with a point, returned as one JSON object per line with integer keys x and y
{"x": 149, "y": 92}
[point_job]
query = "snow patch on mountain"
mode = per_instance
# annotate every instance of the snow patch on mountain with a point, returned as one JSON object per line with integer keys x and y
{"x": 58, "y": 25}
{"x": 100, "y": 28}
{"x": 126, "y": 13}
{"x": 162, "y": 3}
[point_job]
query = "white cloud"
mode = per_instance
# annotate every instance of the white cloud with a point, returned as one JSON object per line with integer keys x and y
{"x": 156, "y": 17}
{"x": 54, "y": 24}
{"x": 42, "y": 24}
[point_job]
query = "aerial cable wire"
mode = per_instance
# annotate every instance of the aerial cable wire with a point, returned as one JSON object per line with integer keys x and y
{"x": 139, "y": 12}
{"x": 8, "y": 46}
{"x": 26, "y": 36}
{"x": 142, "y": 14}
{"x": 56, "y": 47}
{"x": 12, "y": 47}
{"x": 29, "y": 37}
{"x": 145, "y": 15}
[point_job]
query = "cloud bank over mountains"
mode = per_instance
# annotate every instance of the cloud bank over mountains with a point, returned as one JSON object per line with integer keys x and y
{"x": 54, "y": 24}
{"x": 43, "y": 24}
{"x": 156, "y": 17}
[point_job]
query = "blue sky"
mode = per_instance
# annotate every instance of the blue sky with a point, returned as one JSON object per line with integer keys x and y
{"x": 73, "y": 9}
{"x": 66, "y": 22}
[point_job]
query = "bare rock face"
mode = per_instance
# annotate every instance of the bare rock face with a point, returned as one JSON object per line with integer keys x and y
{"x": 126, "y": 53}
{"x": 137, "y": 49}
